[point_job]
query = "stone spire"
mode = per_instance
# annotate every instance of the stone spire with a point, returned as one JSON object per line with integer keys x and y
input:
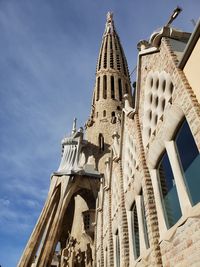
{"x": 112, "y": 82}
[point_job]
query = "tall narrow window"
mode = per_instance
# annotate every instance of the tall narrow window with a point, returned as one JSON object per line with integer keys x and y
{"x": 111, "y": 53}
{"x": 104, "y": 113}
{"x": 116, "y": 48}
{"x": 100, "y": 56}
{"x": 169, "y": 194}
{"x": 104, "y": 86}
{"x": 123, "y": 60}
{"x": 117, "y": 249}
{"x": 144, "y": 216}
{"x": 98, "y": 88}
{"x": 135, "y": 232}
{"x": 105, "y": 54}
{"x": 101, "y": 142}
{"x": 120, "y": 89}
{"x": 190, "y": 160}
{"x": 118, "y": 62}
{"x": 112, "y": 83}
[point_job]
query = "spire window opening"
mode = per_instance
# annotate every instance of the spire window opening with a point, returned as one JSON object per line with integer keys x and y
{"x": 104, "y": 86}
{"x": 111, "y": 46}
{"x": 111, "y": 60}
{"x": 120, "y": 89}
{"x": 116, "y": 48}
{"x": 124, "y": 66}
{"x": 123, "y": 61}
{"x": 105, "y": 55}
{"x": 100, "y": 56}
{"x": 98, "y": 88}
{"x": 111, "y": 54}
{"x": 112, "y": 82}
{"x": 118, "y": 63}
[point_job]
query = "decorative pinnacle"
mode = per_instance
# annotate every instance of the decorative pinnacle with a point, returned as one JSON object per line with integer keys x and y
{"x": 74, "y": 126}
{"x": 109, "y": 17}
{"x": 109, "y": 23}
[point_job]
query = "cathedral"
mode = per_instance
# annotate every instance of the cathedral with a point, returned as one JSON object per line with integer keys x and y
{"x": 126, "y": 192}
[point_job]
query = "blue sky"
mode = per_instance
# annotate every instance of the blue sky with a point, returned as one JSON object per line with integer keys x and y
{"x": 49, "y": 51}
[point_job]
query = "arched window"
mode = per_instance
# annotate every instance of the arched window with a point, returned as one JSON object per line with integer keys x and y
{"x": 104, "y": 86}
{"x": 171, "y": 205}
{"x": 120, "y": 89}
{"x": 98, "y": 88}
{"x": 101, "y": 142}
{"x": 104, "y": 113}
{"x": 112, "y": 83}
{"x": 189, "y": 160}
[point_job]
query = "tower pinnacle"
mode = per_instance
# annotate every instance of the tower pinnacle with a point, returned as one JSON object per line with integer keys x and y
{"x": 109, "y": 23}
{"x": 112, "y": 83}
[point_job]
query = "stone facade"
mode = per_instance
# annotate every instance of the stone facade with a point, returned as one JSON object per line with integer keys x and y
{"x": 126, "y": 196}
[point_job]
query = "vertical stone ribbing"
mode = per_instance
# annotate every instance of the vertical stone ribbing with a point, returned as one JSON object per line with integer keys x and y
{"x": 149, "y": 201}
{"x": 123, "y": 220}
{"x": 110, "y": 240}
{"x": 101, "y": 245}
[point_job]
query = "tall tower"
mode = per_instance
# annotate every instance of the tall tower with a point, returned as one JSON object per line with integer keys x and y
{"x": 69, "y": 212}
{"x": 112, "y": 82}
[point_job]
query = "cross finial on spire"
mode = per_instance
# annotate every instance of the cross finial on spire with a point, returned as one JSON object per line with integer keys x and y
{"x": 74, "y": 126}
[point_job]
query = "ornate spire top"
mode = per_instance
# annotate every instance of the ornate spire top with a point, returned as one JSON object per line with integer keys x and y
{"x": 109, "y": 23}
{"x": 74, "y": 126}
{"x": 109, "y": 17}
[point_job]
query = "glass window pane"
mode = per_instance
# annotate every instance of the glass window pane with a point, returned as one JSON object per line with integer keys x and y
{"x": 145, "y": 222}
{"x": 135, "y": 232}
{"x": 169, "y": 194}
{"x": 190, "y": 160}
